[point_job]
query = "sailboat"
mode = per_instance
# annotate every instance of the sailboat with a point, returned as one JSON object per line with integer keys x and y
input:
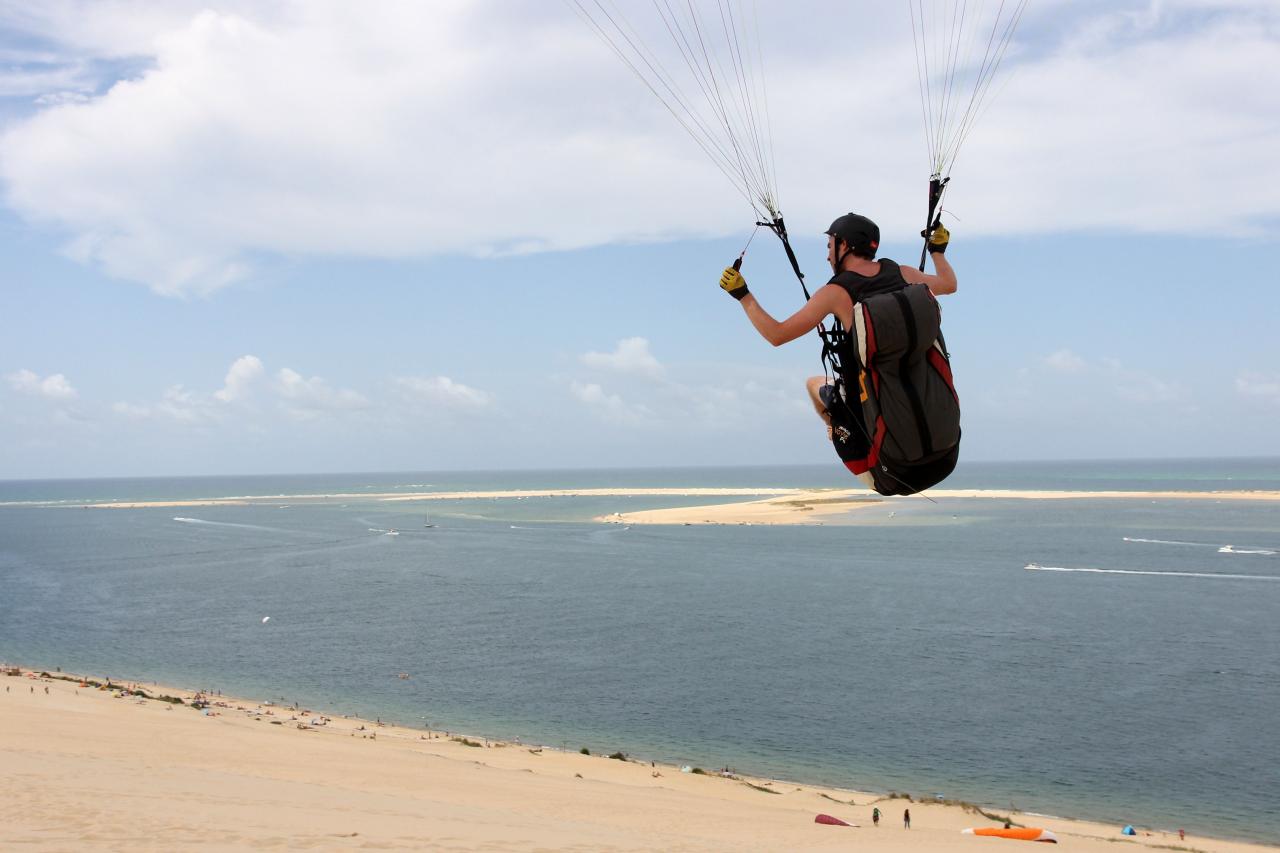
{"x": 426, "y": 521}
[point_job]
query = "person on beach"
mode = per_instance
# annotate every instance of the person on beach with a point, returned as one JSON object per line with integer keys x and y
{"x": 852, "y": 241}
{"x": 906, "y": 818}
{"x": 875, "y": 817}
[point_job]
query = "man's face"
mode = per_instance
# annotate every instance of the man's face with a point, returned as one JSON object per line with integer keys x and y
{"x": 831, "y": 251}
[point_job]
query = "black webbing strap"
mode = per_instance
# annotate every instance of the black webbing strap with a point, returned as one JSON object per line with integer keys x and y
{"x": 777, "y": 226}
{"x": 936, "y": 185}
{"x": 904, "y": 374}
{"x": 832, "y": 339}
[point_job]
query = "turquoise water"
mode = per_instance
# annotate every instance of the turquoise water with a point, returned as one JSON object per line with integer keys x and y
{"x": 908, "y": 649}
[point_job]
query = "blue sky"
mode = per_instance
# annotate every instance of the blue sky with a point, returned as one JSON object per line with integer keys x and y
{"x": 247, "y": 237}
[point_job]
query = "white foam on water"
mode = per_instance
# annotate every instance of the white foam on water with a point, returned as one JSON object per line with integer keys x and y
{"x": 1032, "y": 567}
{"x": 1223, "y": 549}
{"x": 229, "y": 524}
{"x": 1171, "y": 542}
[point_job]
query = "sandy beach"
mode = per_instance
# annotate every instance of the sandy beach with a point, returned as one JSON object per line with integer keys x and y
{"x": 95, "y": 769}
{"x": 822, "y": 505}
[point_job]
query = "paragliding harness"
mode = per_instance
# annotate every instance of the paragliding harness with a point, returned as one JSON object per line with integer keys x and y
{"x": 895, "y": 414}
{"x": 893, "y": 406}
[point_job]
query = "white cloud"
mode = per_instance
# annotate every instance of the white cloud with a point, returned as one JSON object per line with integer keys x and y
{"x": 591, "y": 393}
{"x": 1064, "y": 375}
{"x": 310, "y": 397}
{"x": 631, "y": 355}
{"x": 302, "y": 128}
{"x": 442, "y": 391}
{"x": 52, "y": 387}
{"x": 608, "y": 406}
{"x": 1065, "y": 361}
{"x": 49, "y": 87}
{"x": 132, "y": 411}
{"x": 1259, "y": 385}
{"x": 177, "y": 405}
{"x": 1141, "y": 387}
{"x": 243, "y": 373}
{"x": 299, "y": 397}
{"x": 65, "y": 97}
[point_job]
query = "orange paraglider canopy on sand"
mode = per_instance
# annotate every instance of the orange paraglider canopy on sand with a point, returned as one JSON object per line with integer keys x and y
{"x": 1021, "y": 833}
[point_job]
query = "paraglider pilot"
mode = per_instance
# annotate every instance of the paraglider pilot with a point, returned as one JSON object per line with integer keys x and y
{"x": 852, "y": 241}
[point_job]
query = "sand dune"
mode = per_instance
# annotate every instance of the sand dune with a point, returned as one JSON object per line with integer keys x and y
{"x": 85, "y": 771}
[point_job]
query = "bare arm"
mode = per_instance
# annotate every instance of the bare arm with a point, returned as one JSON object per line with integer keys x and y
{"x": 941, "y": 283}
{"x": 825, "y": 301}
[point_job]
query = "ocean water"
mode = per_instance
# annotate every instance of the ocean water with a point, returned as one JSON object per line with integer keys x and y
{"x": 1132, "y": 676}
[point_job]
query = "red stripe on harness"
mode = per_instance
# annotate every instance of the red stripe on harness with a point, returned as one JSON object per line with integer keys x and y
{"x": 941, "y": 365}
{"x": 865, "y": 464}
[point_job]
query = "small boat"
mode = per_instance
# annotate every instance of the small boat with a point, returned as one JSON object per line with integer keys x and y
{"x": 1227, "y": 549}
{"x": 426, "y": 521}
{"x": 393, "y": 532}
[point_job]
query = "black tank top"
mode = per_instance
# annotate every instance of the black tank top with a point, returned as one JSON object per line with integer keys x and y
{"x": 859, "y": 287}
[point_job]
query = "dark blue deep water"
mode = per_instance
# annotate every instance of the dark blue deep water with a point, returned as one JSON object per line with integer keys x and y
{"x": 907, "y": 649}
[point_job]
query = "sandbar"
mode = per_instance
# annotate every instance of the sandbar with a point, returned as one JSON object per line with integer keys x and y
{"x": 93, "y": 769}
{"x": 822, "y": 505}
{"x": 774, "y": 505}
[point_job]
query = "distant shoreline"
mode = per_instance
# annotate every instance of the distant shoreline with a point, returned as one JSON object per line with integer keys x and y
{"x": 393, "y": 497}
{"x": 777, "y": 505}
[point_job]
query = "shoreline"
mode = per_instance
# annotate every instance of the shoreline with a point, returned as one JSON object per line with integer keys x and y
{"x": 397, "y": 497}
{"x": 347, "y": 781}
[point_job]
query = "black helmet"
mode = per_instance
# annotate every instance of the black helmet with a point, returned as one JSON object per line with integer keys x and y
{"x": 862, "y": 235}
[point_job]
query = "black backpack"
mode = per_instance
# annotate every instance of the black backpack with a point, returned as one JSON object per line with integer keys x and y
{"x": 895, "y": 414}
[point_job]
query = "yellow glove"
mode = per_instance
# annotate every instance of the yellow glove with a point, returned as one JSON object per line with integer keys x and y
{"x": 939, "y": 239}
{"x": 733, "y": 282}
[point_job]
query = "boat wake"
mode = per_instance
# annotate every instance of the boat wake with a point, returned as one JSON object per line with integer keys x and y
{"x": 1171, "y": 542}
{"x": 1227, "y": 549}
{"x": 182, "y": 520}
{"x": 1033, "y": 567}
{"x": 1222, "y": 549}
